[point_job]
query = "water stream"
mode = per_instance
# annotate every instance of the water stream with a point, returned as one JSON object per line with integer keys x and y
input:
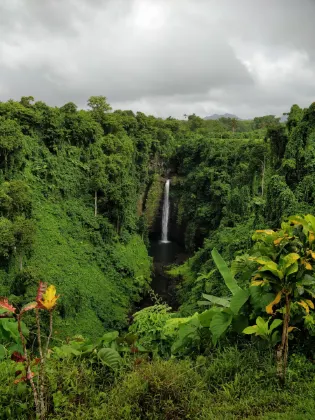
{"x": 166, "y": 211}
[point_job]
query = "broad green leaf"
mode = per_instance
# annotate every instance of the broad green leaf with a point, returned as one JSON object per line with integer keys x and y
{"x": 238, "y": 300}
{"x": 288, "y": 260}
{"x": 186, "y": 332}
{"x": 273, "y": 268}
{"x": 87, "y": 349}
{"x": 310, "y": 292}
{"x": 203, "y": 303}
{"x": 171, "y": 326}
{"x": 298, "y": 220}
{"x": 225, "y": 272}
{"x": 217, "y": 300}
{"x": 307, "y": 280}
{"x": 12, "y": 328}
{"x": 275, "y": 324}
{"x": 109, "y": 357}
{"x": 262, "y": 325}
{"x": 16, "y": 347}
{"x": 219, "y": 324}
{"x": 311, "y": 220}
{"x": 292, "y": 269}
{"x": 110, "y": 336}
{"x": 263, "y": 260}
{"x": 24, "y": 329}
{"x": 206, "y": 317}
{"x": 259, "y": 298}
{"x": 251, "y": 330}
{"x": 66, "y": 351}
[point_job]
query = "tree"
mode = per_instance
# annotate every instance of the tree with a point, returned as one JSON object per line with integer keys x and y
{"x": 265, "y": 122}
{"x": 277, "y": 137}
{"x": 15, "y": 199}
{"x": 11, "y": 141}
{"x": 69, "y": 108}
{"x": 26, "y": 101}
{"x": 284, "y": 266}
{"x": 294, "y": 117}
{"x": 7, "y": 240}
{"x": 99, "y": 107}
{"x": 234, "y": 124}
{"x": 24, "y": 233}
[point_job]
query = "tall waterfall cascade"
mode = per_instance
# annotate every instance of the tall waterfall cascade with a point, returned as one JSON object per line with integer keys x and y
{"x": 165, "y": 214}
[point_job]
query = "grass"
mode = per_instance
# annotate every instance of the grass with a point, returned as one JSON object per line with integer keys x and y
{"x": 230, "y": 384}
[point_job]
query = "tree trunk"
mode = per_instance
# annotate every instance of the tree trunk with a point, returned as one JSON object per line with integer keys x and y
{"x": 263, "y": 166}
{"x": 95, "y": 203}
{"x": 282, "y": 352}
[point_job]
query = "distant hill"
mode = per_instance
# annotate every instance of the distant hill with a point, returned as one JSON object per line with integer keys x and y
{"x": 283, "y": 118}
{"x": 217, "y": 116}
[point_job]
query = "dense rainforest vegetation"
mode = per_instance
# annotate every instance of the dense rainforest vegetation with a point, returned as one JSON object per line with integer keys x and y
{"x": 80, "y": 194}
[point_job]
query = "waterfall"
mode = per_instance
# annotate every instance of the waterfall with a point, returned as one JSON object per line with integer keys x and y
{"x": 165, "y": 215}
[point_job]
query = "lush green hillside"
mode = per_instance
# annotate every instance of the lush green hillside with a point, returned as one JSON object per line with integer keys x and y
{"x": 70, "y": 186}
{"x": 79, "y": 192}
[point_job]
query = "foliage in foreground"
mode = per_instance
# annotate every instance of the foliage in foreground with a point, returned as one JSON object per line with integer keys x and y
{"x": 229, "y": 384}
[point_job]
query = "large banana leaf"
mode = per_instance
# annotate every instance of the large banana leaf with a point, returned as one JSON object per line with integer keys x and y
{"x": 220, "y": 323}
{"x": 206, "y": 316}
{"x": 225, "y": 272}
{"x": 238, "y": 300}
{"x": 214, "y": 299}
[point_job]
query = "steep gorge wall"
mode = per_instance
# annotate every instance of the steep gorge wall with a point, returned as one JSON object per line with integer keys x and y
{"x": 153, "y": 206}
{"x": 153, "y": 203}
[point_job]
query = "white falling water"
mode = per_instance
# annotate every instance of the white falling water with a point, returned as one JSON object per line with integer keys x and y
{"x": 165, "y": 214}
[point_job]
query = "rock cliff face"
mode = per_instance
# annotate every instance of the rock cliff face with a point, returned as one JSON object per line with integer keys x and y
{"x": 153, "y": 202}
{"x": 176, "y": 230}
{"x": 153, "y": 208}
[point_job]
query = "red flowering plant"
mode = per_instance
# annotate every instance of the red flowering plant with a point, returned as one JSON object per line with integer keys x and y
{"x": 46, "y": 299}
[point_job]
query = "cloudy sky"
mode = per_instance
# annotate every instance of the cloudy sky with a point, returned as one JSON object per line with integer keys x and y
{"x": 163, "y": 57}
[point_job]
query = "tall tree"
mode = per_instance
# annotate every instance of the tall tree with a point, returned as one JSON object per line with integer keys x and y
{"x": 99, "y": 106}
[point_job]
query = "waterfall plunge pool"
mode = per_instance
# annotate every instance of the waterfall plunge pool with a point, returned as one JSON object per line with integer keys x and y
{"x": 164, "y": 253}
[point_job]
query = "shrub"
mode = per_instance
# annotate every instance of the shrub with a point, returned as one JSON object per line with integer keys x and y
{"x": 159, "y": 390}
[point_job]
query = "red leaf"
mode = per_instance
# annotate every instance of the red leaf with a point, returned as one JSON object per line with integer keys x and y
{"x": 17, "y": 373}
{"x": 28, "y": 307}
{"x": 17, "y": 357}
{"x": 40, "y": 291}
{"x": 24, "y": 378}
{"x": 5, "y": 305}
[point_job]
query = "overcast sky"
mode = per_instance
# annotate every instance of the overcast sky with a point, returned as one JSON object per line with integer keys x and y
{"x": 163, "y": 57}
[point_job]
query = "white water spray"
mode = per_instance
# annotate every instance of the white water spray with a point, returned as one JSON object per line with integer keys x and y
{"x": 165, "y": 214}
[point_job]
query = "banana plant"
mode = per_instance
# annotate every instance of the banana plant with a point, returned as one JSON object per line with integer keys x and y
{"x": 285, "y": 261}
{"x": 227, "y": 308}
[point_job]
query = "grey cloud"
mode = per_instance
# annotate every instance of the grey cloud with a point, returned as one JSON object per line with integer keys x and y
{"x": 159, "y": 56}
